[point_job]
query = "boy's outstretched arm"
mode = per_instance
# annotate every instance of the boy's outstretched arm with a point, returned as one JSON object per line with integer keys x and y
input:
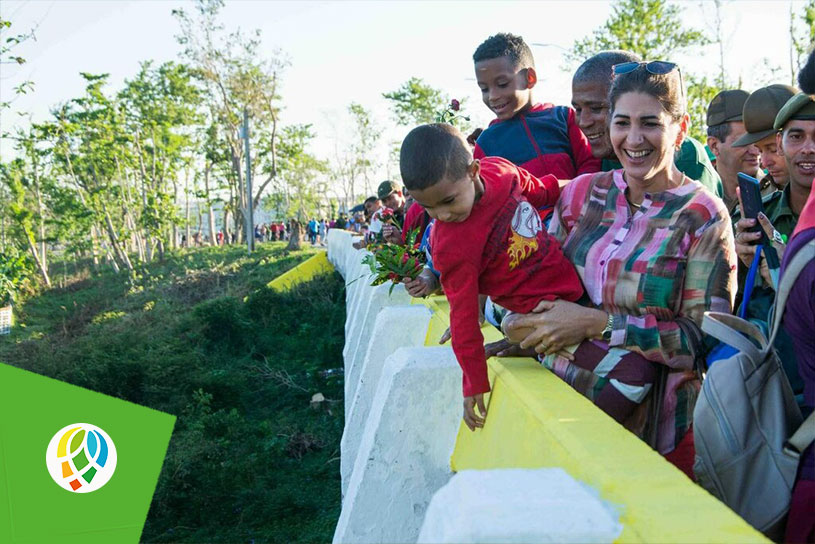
{"x": 540, "y": 192}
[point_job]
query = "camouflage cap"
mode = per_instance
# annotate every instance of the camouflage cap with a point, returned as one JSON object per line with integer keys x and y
{"x": 801, "y": 106}
{"x": 760, "y": 110}
{"x": 726, "y": 106}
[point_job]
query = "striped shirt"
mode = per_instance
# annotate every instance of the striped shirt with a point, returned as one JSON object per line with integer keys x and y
{"x": 673, "y": 257}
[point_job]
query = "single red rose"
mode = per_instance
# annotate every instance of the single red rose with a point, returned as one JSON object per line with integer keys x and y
{"x": 455, "y": 105}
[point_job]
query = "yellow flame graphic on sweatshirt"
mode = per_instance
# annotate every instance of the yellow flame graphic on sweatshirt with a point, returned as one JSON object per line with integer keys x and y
{"x": 520, "y": 248}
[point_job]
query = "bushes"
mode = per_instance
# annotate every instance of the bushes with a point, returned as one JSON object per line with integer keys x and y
{"x": 249, "y": 458}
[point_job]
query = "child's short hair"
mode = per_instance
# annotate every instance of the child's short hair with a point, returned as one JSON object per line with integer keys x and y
{"x": 370, "y": 200}
{"x": 507, "y": 45}
{"x": 431, "y": 153}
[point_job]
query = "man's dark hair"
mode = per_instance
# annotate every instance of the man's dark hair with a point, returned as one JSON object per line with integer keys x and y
{"x": 806, "y": 77}
{"x": 507, "y": 45}
{"x": 370, "y": 199}
{"x": 431, "y": 153}
{"x": 598, "y": 67}
{"x": 720, "y": 132}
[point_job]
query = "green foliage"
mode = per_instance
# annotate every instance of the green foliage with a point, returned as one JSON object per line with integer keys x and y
{"x": 300, "y": 170}
{"x": 653, "y": 29}
{"x": 802, "y": 36}
{"x": 700, "y": 92}
{"x": 249, "y": 459}
{"x": 7, "y": 57}
{"x": 416, "y": 103}
{"x": 15, "y": 269}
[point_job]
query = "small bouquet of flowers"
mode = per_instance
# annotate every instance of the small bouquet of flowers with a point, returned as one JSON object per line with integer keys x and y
{"x": 391, "y": 262}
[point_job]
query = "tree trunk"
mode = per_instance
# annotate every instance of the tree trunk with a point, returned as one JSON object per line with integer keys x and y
{"x": 295, "y": 236}
{"x": 212, "y": 238}
{"x": 32, "y": 245}
{"x": 114, "y": 242}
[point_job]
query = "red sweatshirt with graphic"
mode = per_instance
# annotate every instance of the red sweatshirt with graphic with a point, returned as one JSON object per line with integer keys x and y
{"x": 501, "y": 250}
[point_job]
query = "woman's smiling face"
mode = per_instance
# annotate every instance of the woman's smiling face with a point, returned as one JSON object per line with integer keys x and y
{"x": 644, "y": 136}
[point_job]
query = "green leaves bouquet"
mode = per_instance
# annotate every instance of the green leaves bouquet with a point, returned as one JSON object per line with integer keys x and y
{"x": 391, "y": 262}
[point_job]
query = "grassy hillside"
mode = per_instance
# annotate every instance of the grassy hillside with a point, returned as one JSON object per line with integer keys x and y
{"x": 251, "y": 457}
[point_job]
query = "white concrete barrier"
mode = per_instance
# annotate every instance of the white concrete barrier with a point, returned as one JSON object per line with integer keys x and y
{"x": 517, "y": 505}
{"x": 395, "y": 327}
{"x": 405, "y": 448}
{"x": 361, "y": 332}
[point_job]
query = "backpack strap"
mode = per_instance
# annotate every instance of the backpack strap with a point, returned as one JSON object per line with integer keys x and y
{"x": 804, "y": 256}
{"x": 803, "y": 437}
{"x": 728, "y": 328}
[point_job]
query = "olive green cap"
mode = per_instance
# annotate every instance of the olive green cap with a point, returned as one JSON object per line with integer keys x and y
{"x": 726, "y": 106}
{"x": 386, "y": 188}
{"x": 760, "y": 110}
{"x": 801, "y": 106}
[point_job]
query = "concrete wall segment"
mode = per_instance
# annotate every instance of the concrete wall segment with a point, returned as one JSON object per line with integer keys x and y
{"x": 395, "y": 327}
{"x": 405, "y": 448}
{"x": 517, "y": 505}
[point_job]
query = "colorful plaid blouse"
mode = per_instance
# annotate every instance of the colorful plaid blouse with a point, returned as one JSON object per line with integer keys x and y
{"x": 673, "y": 257}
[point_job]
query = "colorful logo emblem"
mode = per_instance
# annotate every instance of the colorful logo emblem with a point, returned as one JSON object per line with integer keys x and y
{"x": 523, "y": 240}
{"x": 81, "y": 458}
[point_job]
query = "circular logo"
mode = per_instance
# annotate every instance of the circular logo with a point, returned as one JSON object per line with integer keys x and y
{"x": 81, "y": 458}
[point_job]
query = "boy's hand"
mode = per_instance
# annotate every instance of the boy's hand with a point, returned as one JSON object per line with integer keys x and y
{"x": 392, "y": 234}
{"x": 473, "y": 136}
{"x": 424, "y": 284}
{"x": 471, "y": 419}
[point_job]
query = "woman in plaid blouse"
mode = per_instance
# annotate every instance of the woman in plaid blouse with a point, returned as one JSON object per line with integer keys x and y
{"x": 653, "y": 248}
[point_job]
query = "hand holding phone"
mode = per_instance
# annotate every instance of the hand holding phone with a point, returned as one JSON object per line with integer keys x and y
{"x": 752, "y": 204}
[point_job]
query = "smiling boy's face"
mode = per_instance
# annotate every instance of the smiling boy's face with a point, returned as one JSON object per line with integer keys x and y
{"x": 452, "y": 200}
{"x": 505, "y": 89}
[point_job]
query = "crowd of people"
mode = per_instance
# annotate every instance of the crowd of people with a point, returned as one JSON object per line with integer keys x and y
{"x": 596, "y": 236}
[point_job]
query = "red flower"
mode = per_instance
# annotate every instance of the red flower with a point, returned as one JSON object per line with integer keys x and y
{"x": 455, "y": 105}
{"x": 386, "y": 213}
{"x": 404, "y": 258}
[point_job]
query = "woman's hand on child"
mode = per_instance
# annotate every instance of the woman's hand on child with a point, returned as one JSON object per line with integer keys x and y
{"x": 558, "y": 324}
{"x": 471, "y": 418}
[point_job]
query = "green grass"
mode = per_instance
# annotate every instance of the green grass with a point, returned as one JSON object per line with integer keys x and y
{"x": 250, "y": 458}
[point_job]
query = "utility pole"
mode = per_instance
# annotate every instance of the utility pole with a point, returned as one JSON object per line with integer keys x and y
{"x": 250, "y": 222}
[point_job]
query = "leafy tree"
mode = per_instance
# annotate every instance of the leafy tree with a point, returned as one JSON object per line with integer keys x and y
{"x": 160, "y": 106}
{"x": 700, "y": 92}
{"x": 802, "y": 37}
{"x": 8, "y": 43}
{"x": 299, "y": 171}
{"x": 653, "y": 29}
{"x": 354, "y": 163}
{"x": 416, "y": 103}
{"x": 236, "y": 76}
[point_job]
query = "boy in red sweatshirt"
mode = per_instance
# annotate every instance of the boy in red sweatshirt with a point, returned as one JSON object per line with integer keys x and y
{"x": 488, "y": 239}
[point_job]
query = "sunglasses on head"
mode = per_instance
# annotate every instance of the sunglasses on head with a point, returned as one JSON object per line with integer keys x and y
{"x": 656, "y": 67}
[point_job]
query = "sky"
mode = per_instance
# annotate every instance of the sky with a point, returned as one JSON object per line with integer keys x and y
{"x": 343, "y": 52}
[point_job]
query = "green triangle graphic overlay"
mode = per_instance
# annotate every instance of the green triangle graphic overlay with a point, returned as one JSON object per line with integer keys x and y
{"x": 34, "y": 508}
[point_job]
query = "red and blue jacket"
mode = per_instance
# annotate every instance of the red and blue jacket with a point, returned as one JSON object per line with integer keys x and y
{"x": 543, "y": 140}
